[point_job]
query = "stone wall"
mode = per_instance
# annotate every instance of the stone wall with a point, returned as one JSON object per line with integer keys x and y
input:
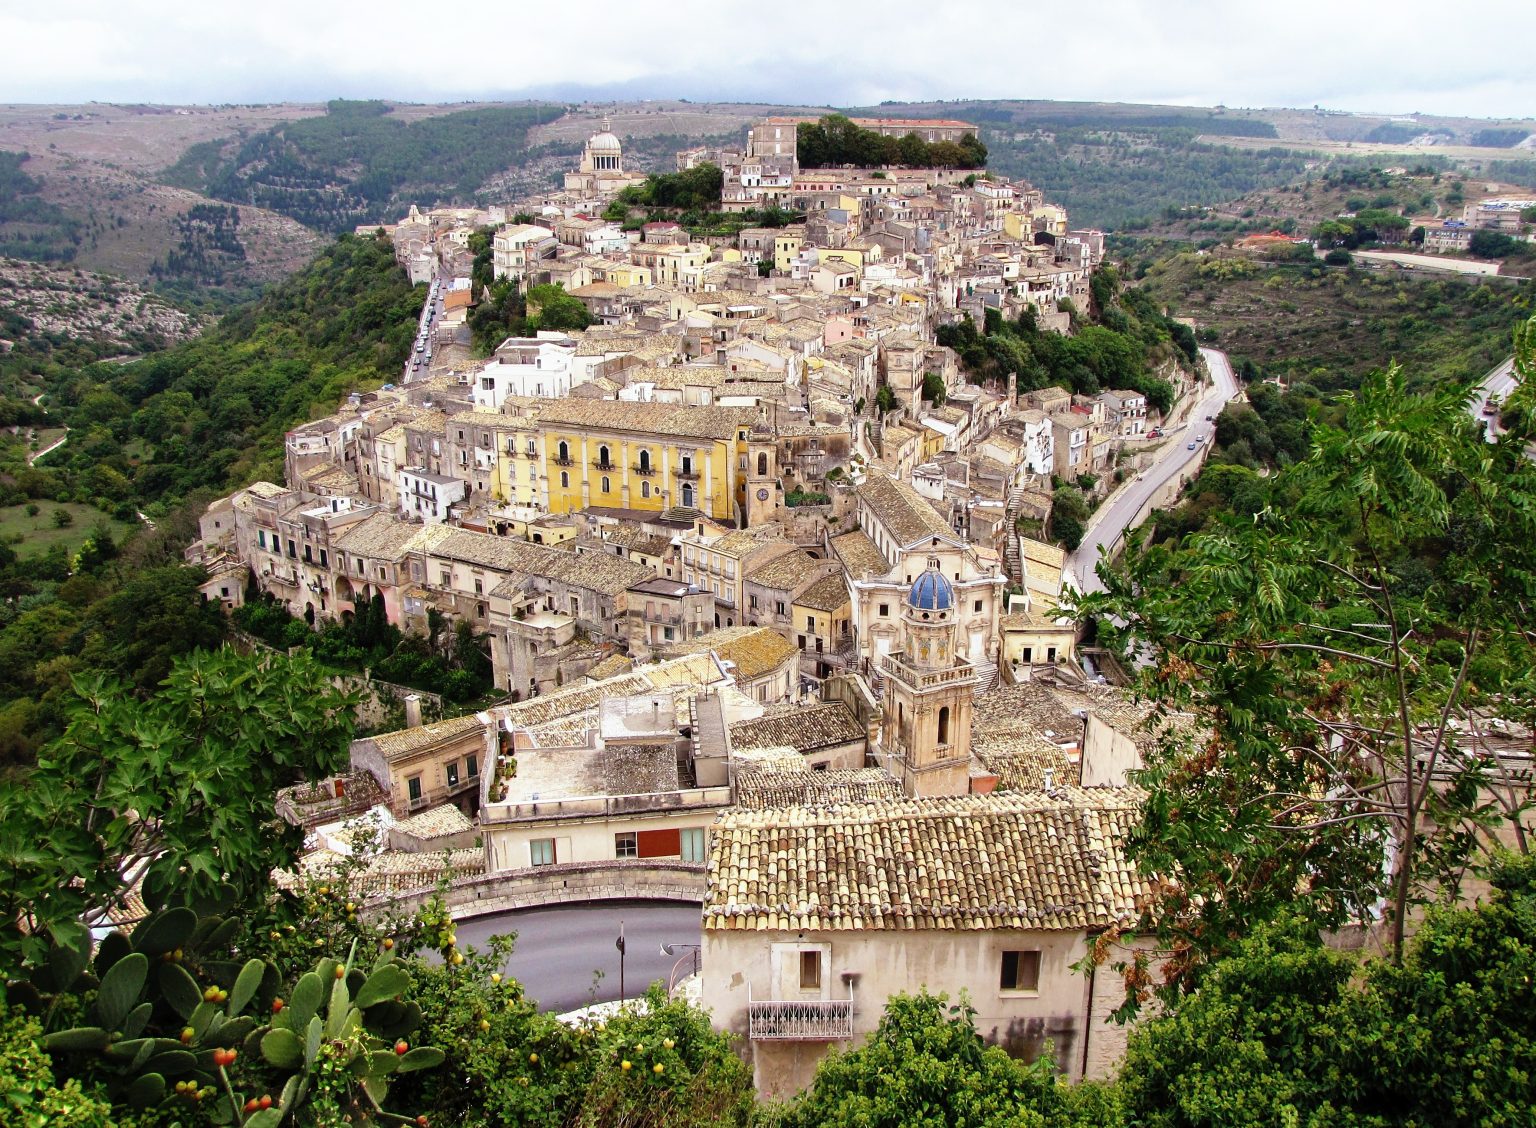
{"x": 561, "y": 884}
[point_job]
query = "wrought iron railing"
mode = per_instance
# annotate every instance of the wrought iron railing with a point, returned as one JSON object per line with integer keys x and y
{"x": 816, "y": 1020}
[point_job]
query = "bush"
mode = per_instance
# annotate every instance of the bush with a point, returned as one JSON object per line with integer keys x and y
{"x": 1338, "y": 257}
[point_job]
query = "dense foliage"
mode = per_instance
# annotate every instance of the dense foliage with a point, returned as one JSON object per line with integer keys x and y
{"x": 175, "y": 788}
{"x": 212, "y": 412}
{"x": 1345, "y": 643}
{"x": 926, "y": 1065}
{"x": 358, "y": 163}
{"x": 696, "y": 188}
{"x": 453, "y": 662}
{"x": 1117, "y": 351}
{"x": 1288, "y": 1032}
{"x": 836, "y": 141}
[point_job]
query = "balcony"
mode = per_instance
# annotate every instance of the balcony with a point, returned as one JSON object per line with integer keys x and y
{"x": 644, "y": 471}
{"x": 820, "y": 1020}
{"x": 563, "y": 461}
{"x": 605, "y": 467}
{"x": 686, "y": 475}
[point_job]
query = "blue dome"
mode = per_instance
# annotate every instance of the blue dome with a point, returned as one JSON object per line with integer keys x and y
{"x": 931, "y": 592}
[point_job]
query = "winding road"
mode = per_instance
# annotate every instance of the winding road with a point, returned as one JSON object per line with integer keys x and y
{"x": 1120, "y": 511}
{"x": 1499, "y": 382}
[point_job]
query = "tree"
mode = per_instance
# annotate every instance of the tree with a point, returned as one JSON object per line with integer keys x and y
{"x": 926, "y": 1065}
{"x": 1345, "y": 762}
{"x": 1493, "y": 244}
{"x": 63, "y": 518}
{"x": 156, "y": 616}
{"x": 934, "y": 390}
{"x": 175, "y": 790}
{"x": 885, "y": 398}
{"x": 1288, "y": 1031}
{"x": 1069, "y": 516}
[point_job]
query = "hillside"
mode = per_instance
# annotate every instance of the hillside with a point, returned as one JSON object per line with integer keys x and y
{"x": 1330, "y": 325}
{"x": 211, "y": 413}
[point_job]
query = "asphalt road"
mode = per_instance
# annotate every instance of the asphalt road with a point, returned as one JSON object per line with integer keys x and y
{"x": 560, "y": 949}
{"x": 1500, "y": 382}
{"x": 1111, "y": 519}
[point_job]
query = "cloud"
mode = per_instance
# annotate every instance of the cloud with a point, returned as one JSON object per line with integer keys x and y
{"x": 1188, "y": 52}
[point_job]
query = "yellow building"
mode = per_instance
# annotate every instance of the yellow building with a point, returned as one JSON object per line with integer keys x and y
{"x": 650, "y": 456}
{"x": 785, "y": 248}
{"x": 624, "y": 274}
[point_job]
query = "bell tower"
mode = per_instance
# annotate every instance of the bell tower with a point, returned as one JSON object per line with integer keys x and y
{"x": 765, "y": 491}
{"x": 929, "y": 693}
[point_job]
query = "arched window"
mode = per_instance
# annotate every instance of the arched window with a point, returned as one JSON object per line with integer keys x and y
{"x": 605, "y": 484}
{"x": 944, "y": 725}
{"x": 565, "y": 480}
{"x": 602, "y": 460}
{"x": 687, "y": 496}
{"x": 645, "y": 460}
{"x": 645, "y": 489}
{"x": 762, "y": 465}
{"x": 565, "y": 452}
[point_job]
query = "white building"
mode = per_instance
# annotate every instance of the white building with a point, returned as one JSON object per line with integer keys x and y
{"x": 427, "y": 495}
{"x": 527, "y": 366}
{"x": 518, "y": 245}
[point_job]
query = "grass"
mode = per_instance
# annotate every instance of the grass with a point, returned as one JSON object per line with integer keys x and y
{"x": 38, "y": 534}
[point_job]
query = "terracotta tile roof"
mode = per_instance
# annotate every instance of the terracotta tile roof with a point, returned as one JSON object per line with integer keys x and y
{"x": 827, "y": 594}
{"x": 780, "y": 777}
{"x": 859, "y": 554}
{"x": 803, "y": 729}
{"x": 439, "y": 822}
{"x": 381, "y": 536}
{"x": 596, "y": 571}
{"x": 1021, "y": 761}
{"x": 904, "y": 512}
{"x": 1005, "y": 860}
{"x": 405, "y": 742}
{"x": 755, "y": 651}
{"x": 646, "y": 418}
{"x": 784, "y": 571}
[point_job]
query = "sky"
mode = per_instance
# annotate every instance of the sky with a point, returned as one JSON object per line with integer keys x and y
{"x": 1401, "y": 57}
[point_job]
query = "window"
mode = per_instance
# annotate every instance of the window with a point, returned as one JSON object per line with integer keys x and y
{"x": 694, "y": 847}
{"x": 471, "y": 767}
{"x": 322, "y": 558}
{"x": 447, "y": 578}
{"x": 944, "y": 725}
{"x": 762, "y": 465}
{"x": 977, "y": 607}
{"x": 261, "y": 537}
{"x": 1020, "y": 972}
{"x": 451, "y": 769}
{"x": 885, "y": 610}
{"x": 413, "y": 788}
{"x": 625, "y": 846}
{"x": 565, "y": 452}
{"x": 645, "y": 461}
{"x": 605, "y": 483}
{"x": 810, "y": 623}
{"x": 541, "y": 852}
{"x": 478, "y": 588}
{"x": 778, "y": 607}
{"x": 602, "y": 460}
{"x": 810, "y": 971}
{"x": 565, "y": 480}
{"x": 645, "y": 489}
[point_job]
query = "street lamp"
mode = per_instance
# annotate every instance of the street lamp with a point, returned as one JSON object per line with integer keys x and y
{"x": 685, "y": 949}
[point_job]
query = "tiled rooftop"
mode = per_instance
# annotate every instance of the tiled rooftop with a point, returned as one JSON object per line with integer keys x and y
{"x": 780, "y": 777}
{"x": 902, "y": 510}
{"x": 755, "y": 651}
{"x": 804, "y": 729}
{"x": 827, "y": 594}
{"x": 859, "y": 554}
{"x": 1005, "y": 860}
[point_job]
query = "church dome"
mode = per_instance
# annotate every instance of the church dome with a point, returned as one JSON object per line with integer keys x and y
{"x": 931, "y": 592}
{"x": 603, "y": 141}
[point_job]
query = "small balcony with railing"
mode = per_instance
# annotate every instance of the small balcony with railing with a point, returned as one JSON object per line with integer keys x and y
{"x": 686, "y": 473}
{"x": 800, "y": 1020}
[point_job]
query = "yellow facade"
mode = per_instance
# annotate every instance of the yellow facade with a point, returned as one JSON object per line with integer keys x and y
{"x": 1019, "y": 225}
{"x": 626, "y": 274}
{"x": 785, "y": 248}
{"x": 587, "y": 466}
{"x": 516, "y": 480}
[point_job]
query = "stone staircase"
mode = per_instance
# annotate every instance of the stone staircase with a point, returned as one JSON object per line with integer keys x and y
{"x": 1013, "y": 561}
{"x": 986, "y": 676}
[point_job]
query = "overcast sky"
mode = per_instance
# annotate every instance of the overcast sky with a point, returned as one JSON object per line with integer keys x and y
{"x": 1398, "y": 57}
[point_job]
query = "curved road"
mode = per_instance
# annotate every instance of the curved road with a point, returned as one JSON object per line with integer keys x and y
{"x": 1500, "y": 382}
{"x": 1111, "y": 520}
{"x": 560, "y": 949}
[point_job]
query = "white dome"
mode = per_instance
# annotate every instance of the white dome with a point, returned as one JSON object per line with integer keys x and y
{"x": 604, "y": 141}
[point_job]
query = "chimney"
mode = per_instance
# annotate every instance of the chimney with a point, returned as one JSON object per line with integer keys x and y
{"x": 1050, "y": 780}
{"x": 412, "y": 710}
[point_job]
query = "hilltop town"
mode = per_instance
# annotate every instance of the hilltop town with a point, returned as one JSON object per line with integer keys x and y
{"x": 763, "y": 581}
